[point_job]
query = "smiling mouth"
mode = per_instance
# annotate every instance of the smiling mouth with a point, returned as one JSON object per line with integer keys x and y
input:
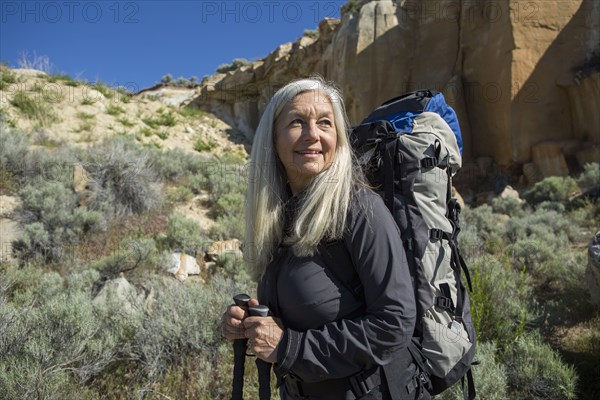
{"x": 309, "y": 152}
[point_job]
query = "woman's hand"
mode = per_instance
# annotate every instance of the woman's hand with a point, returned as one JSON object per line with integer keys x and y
{"x": 231, "y": 322}
{"x": 264, "y": 335}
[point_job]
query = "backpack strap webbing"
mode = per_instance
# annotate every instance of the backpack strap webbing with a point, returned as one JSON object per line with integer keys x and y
{"x": 470, "y": 393}
{"x": 388, "y": 172}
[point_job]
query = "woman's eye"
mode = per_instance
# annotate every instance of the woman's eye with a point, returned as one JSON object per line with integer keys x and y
{"x": 325, "y": 122}
{"x": 297, "y": 121}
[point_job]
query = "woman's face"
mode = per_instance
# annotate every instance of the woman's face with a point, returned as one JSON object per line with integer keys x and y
{"x": 305, "y": 138}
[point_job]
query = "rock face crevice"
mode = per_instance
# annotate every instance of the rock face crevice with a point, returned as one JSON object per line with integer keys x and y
{"x": 508, "y": 67}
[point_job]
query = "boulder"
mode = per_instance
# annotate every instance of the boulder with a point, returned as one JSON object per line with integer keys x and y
{"x": 223, "y": 247}
{"x": 550, "y": 159}
{"x": 510, "y": 193}
{"x": 121, "y": 290}
{"x": 182, "y": 265}
{"x": 458, "y": 197}
{"x": 593, "y": 269}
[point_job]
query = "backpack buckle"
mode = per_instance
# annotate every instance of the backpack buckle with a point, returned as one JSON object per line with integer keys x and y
{"x": 363, "y": 383}
{"x": 444, "y": 302}
{"x": 429, "y": 162}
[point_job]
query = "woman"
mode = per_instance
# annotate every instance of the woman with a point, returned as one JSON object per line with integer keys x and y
{"x": 312, "y": 227}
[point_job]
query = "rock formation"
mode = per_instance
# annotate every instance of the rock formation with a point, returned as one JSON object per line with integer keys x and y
{"x": 518, "y": 73}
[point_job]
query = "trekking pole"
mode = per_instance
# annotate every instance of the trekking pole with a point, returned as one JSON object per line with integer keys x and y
{"x": 264, "y": 368}
{"x": 239, "y": 355}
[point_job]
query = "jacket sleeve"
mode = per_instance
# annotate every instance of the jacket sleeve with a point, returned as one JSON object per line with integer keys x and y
{"x": 344, "y": 347}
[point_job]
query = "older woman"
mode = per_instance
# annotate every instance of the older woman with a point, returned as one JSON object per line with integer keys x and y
{"x": 312, "y": 223}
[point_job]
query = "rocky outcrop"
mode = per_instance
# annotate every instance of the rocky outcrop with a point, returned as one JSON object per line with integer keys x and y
{"x": 218, "y": 249}
{"x": 120, "y": 291}
{"x": 511, "y": 69}
{"x": 182, "y": 265}
{"x": 169, "y": 94}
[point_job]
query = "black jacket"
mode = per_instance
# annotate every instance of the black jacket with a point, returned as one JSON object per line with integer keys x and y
{"x": 330, "y": 332}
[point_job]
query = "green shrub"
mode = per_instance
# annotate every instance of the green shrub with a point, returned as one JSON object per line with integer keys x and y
{"x": 132, "y": 255}
{"x": 233, "y": 268}
{"x": 34, "y": 109}
{"x": 51, "y": 221}
{"x": 172, "y": 164}
{"x": 126, "y": 122}
{"x": 86, "y": 125}
{"x": 590, "y": 177}
{"x": 483, "y": 220}
{"x": 230, "y": 203}
{"x": 554, "y": 188}
{"x": 85, "y": 116}
{"x": 535, "y": 371}
{"x": 104, "y": 89}
{"x": 114, "y": 109}
{"x": 223, "y": 68}
{"x": 64, "y": 78}
{"x": 180, "y": 194}
{"x": 183, "y": 234}
{"x": 55, "y": 342}
{"x": 7, "y": 77}
{"x": 147, "y": 132}
{"x": 191, "y": 112}
{"x": 312, "y": 33}
{"x": 204, "y": 145}
{"x": 87, "y": 101}
{"x": 122, "y": 178}
{"x": 177, "y": 332}
{"x": 500, "y": 301}
{"x": 235, "y": 64}
{"x": 489, "y": 376}
{"x": 228, "y": 227}
{"x": 14, "y": 147}
{"x": 163, "y": 134}
{"x": 6, "y": 121}
{"x": 163, "y": 119}
{"x": 352, "y": 7}
{"x": 541, "y": 240}
{"x": 508, "y": 205}
{"x": 586, "y": 214}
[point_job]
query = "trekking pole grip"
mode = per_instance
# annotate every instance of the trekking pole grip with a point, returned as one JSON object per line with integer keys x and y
{"x": 239, "y": 355}
{"x": 264, "y": 368}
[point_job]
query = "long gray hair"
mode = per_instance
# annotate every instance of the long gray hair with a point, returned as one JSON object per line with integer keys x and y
{"x": 322, "y": 211}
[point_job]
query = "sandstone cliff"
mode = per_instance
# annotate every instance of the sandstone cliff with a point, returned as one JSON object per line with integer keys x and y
{"x": 520, "y": 74}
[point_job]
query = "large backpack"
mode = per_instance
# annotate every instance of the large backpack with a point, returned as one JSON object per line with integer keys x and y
{"x": 409, "y": 148}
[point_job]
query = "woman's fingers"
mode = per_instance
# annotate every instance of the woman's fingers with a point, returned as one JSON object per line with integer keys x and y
{"x": 237, "y": 312}
{"x": 232, "y": 325}
{"x": 264, "y": 335}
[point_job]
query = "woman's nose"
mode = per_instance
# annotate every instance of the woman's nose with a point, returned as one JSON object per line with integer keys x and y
{"x": 311, "y": 131}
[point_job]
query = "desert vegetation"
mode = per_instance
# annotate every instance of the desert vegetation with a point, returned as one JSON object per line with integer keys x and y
{"x": 89, "y": 311}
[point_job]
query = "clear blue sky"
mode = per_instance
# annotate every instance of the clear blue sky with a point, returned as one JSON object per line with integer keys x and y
{"x": 135, "y": 43}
